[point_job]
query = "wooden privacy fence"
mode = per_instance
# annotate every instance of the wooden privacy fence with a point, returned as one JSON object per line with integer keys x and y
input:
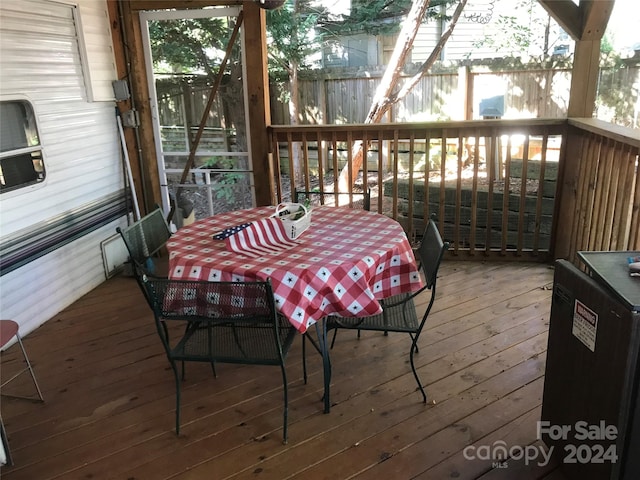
{"x": 331, "y": 96}
{"x": 521, "y": 189}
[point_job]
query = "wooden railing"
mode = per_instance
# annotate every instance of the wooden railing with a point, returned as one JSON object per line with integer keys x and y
{"x": 493, "y": 185}
{"x": 599, "y": 207}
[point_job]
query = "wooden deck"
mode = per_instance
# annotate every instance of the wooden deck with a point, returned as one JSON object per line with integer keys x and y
{"x": 109, "y": 391}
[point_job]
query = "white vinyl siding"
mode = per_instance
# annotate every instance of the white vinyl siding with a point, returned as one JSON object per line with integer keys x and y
{"x": 97, "y": 50}
{"x": 41, "y": 62}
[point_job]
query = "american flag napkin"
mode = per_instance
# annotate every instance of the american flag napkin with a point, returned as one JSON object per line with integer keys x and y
{"x": 256, "y": 239}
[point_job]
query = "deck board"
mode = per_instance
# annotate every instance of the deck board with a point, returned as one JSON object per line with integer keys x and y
{"x": 109, "y": 391}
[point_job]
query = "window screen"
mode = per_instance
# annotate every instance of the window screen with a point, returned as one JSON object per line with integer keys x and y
{"x": 21, "y": 162}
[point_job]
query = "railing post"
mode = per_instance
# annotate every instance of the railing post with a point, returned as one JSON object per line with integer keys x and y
{"x": 566, "y": 193}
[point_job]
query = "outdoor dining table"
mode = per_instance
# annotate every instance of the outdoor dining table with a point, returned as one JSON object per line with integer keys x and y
{"x": 342, "y": 264}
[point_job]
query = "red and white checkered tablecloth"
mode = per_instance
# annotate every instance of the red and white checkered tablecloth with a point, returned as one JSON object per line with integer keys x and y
{"x": 344, "y": 262}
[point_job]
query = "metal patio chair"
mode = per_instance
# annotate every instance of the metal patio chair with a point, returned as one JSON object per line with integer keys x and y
{"x": 144, "y": 239}
{"x": 225, "y": 322}
{"x": 399, "y": 312}
{"x": 8, "y": 330}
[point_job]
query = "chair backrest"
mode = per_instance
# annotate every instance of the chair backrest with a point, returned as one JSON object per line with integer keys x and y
{"x": 145, "y": 238}
{"x": 179, "y": 299}
{"x": 352, "y": 200}
{"x": 431, "y": 251}
{"x": 239, "y": 317}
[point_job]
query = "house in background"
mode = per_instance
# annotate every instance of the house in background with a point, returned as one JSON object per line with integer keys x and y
{"x": 468, "y": 41}
{"x": 539, "y": 89}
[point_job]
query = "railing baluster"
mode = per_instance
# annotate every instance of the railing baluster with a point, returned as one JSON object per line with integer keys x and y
{"x": 349, "y": 168}
{"x": 442, "y": 192}
{"x": 601, "y": 184}
{"x": 426, "y": 198}
{"x": 522, "y": 210}
{"x": 634, "y": 235}
{"x": 365, "y": 163}
{"x": 603, "y": 167}
{"x": 608, "y": 194}
{"x": 459, "y": 170}
{"x": 411, "y": 193}
{"x": 321, "y": 159}
{"x": 624, "y": 200}
{"x": 540, "y": 197}
{"x": 491, "y": 177}
{"x": 396, "y": 168}
{"x": 292, "y": 168}
{"x": 305, "y": 161}
{"x": 506, "y": 189}
{"x": 336, "y": 165}
{"x": 474, "y": 193}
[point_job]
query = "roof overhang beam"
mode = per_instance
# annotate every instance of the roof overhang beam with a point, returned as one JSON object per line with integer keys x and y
{"x": 585, "y": 21}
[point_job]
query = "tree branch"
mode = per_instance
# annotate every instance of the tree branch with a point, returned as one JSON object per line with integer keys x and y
{"x": 424, "y": 68}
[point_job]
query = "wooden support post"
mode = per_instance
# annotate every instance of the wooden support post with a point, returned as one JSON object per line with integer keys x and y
{"x": 584, "y": 79}
{"x": 146, "y": 171}
{"x": 566, "y": 195}
{"x": 259, "y": 112}
{"x": 121, "y": 29}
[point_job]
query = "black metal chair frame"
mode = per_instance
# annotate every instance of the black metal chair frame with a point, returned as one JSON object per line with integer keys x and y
{"x": 399, "y": 312}
{"x": 144, "y": 239}
{"x": 225, "y": 322}
{"x": 300, "y": 195}
{"x": 13, "y": 326}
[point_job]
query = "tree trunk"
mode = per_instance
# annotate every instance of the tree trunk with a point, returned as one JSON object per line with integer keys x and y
{"x": 294, "y": 101}
{"x": 385, "y": 96}
{"x": 296, "y": 147}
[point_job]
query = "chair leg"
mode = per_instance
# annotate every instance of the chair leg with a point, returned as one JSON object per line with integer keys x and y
{"x": 335, "y": 333}
{"x": 33, "y": 375}
{"x": 326, "y": 363}
{"x": 414, "y": 348}
{"x": 304, "y": 357}
{"x": 414, "y": 345}
{"x": 177, "y": 378}
{"x": 285, "y": 420}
